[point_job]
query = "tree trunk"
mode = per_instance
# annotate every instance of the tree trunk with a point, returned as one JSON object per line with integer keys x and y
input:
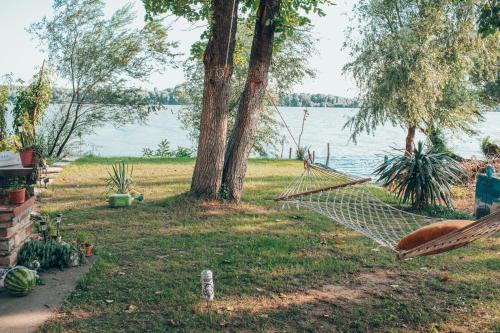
{"x": 61, "y": 127}
{"x": 249, "y": 109}
{"x": 410, "y": 136}
{"x": 70, "y": 133}
{"x": 218, "y": 62}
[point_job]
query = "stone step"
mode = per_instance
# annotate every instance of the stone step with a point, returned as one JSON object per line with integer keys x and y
{"x": 51, "y": 170}
{"x": 60, "y": 164}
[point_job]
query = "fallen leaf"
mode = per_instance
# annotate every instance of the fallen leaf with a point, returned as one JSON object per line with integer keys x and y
{"x": 121, "y": 273}
{"x": 445, "y": 278}
{"x": 339, "y": 241}
{"x": 157, "y": 292}
{"x": 109, "y": 301}
{"x": 131, "y": 308}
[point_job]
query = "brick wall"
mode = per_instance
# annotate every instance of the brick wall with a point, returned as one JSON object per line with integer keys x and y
{"x": 15, "y": 229}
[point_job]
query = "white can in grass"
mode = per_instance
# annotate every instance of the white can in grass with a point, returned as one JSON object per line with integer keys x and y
{"x": 207, "y": 285}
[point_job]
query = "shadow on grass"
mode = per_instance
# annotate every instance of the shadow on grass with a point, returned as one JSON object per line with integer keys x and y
{"x": 151, "y": 256}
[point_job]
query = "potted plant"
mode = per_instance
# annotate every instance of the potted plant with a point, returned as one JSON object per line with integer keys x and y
{"x": 82, "y": 239}
{"x": 27, "y": 151}
{"x": 16, "y": 192}
{"x": 120, "y": 182}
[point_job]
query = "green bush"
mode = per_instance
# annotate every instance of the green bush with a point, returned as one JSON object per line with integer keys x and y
{"x": 422, "y": 178}
{"x": 49, "y": 254}
{"x": 183, "y": 152}
{"x": 489, "y": 147}
{"x": 163, "y": 150}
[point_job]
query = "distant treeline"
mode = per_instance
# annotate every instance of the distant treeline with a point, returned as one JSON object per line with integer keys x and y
{"x": 173, "y": 96}
{"x": 317, "y": 100}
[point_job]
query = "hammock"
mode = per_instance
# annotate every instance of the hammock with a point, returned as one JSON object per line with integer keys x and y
{"x": 349, "y": 201}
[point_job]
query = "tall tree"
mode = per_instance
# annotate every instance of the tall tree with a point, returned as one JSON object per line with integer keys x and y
{"x": 272, "y": 16}
{"x": 243, "y": 134}
{"x": 218, "y": 63}
{"x": 222, "y": 17}
{"x": 413, "y": 62}
{"x": 98, "y": 57}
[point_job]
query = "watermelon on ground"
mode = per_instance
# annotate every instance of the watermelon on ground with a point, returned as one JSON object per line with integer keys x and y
{"x": 20, "y": 281}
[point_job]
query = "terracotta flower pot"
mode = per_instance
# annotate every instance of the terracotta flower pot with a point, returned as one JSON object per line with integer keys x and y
{"x": 27, "y": 157}
{"x": 88, "y": 250}
{"x": 17, "y": 197}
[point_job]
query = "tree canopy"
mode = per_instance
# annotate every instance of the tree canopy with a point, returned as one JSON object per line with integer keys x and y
{"x": 290, "y": 65}
{"x": 98, "y": 57}
{"x": 414, "y": 62}
{"x": 293, "y": 13}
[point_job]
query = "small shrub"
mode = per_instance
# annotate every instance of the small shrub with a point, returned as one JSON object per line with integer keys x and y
{"x": 421, "y": 179}
{"x": 163, "y": 149}
{"x": 489, "y": 147}
{"x": 120, "y": 178}
{"x": 49, "y": 254}
{"x": 301, "y": 153}
{"x": 147, "y": 152}
{"x": 183, "y": 152}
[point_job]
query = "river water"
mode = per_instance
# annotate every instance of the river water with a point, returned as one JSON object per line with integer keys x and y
{"x": 323, "y": 125}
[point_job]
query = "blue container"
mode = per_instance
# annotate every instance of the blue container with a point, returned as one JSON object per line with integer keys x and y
{"x": 487, "y": 192}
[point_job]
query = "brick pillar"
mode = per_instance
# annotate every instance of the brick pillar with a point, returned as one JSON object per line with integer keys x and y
{"x": 15, "y": 229}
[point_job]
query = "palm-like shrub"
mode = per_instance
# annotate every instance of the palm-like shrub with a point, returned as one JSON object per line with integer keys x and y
{"x": 120, "y": 178}
{"x": 422, "y": 178}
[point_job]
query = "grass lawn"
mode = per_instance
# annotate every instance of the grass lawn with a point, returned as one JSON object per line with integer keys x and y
{"x": 274, "y": 270}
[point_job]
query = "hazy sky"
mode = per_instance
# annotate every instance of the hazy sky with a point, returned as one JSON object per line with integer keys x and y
{"x": 20, "y": 54}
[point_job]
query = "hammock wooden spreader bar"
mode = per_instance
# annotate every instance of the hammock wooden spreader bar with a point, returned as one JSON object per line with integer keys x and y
{"x": 483, "y": 227}
{"x": 324, "y": 189}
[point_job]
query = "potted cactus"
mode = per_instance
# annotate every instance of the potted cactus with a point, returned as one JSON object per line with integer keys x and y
{"x": 120, "y": 182}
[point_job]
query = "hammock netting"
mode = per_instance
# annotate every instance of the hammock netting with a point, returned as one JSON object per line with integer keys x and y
{"x": 350, "y": 201}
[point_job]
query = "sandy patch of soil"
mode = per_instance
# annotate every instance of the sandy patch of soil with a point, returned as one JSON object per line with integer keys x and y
{"x": 215, "y": 208}
{"x": 363, "y": 285}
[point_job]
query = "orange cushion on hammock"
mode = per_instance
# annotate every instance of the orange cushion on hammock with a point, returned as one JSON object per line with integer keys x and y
{"x": 430, "y": 232}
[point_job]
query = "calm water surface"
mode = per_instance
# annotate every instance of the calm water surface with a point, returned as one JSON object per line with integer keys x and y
{"x": 324, "y": 125}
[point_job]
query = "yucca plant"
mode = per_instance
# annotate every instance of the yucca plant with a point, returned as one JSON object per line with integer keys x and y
{"x": 421, "y": 179}
{"x": 120, "y": 178}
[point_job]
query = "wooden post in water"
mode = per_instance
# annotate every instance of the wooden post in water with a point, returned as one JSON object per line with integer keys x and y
{"x": 282, "y": 146}
{"x": 290, "y": 153}
{"x": 328, "y": 154}
{"x": 314, "y": 156}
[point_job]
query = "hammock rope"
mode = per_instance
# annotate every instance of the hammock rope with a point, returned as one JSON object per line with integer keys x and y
{"x": 350, "y": 201}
